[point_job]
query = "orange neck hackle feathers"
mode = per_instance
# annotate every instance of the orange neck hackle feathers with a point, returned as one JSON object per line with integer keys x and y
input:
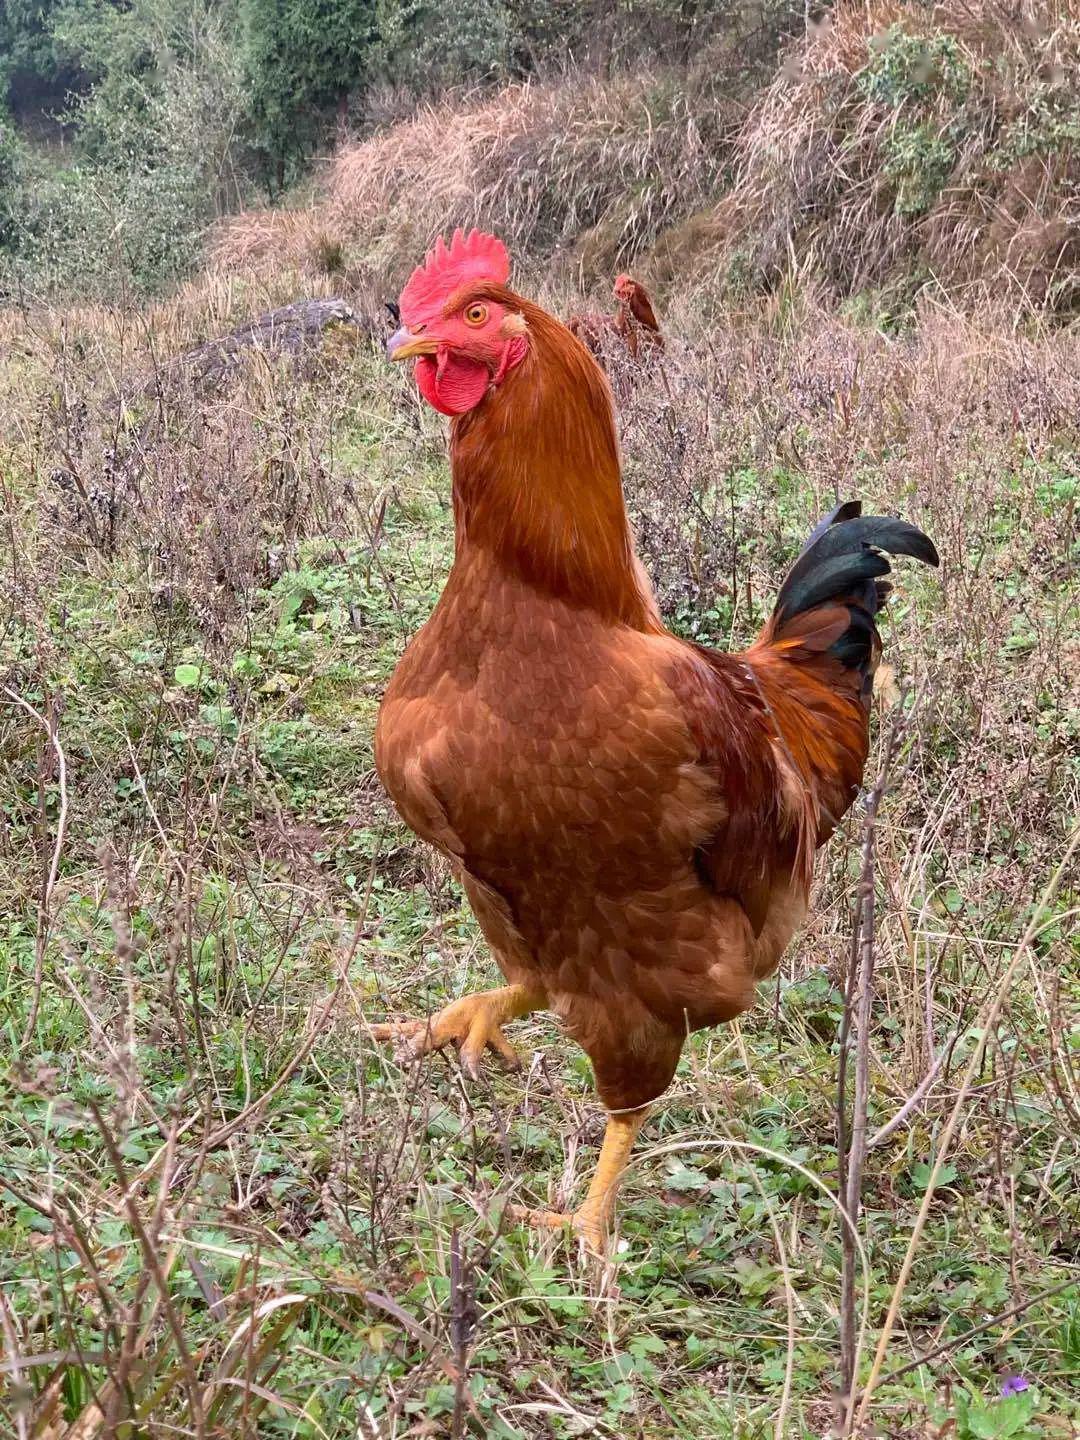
{"x": 535, "y": 459}
{"x": 637, "y": 298}
{"x": 537, "y": 478}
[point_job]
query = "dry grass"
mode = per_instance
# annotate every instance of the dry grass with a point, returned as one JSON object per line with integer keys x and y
{"x": 582, "y": 172}
{"x": 906, "y": 147}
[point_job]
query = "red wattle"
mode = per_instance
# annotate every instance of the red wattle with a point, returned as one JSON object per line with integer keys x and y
{"x": 452, "y": 383}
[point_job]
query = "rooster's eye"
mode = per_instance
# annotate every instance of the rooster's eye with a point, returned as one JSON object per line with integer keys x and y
{"x": 476, "y": 314}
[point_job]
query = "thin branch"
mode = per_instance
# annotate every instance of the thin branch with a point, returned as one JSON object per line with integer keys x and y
{"x": 152, "y": 1261}
{"x": 916, "y": 1097}
{"x": 249, "y": 1112}
{"x": 45, "y": 899}
{"x": 14, "y": 1366}
{"x": 860, "y": 992}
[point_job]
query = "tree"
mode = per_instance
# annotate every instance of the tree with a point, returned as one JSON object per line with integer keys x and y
{"x": 303, "y": 59}
{"x": 425, "y": 46}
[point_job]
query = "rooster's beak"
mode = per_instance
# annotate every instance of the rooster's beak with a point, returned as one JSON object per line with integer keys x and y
{"x": 404, "y": 345}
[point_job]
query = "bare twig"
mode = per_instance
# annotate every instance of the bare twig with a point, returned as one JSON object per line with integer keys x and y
{"x": 463, "y": 1318}
{"x": 917, "y": 1096}
{"x": 249, "y": 1112}
{"x": 151, "y": 1254}
{"x": 49, "y": 885}
{"x": 998, "y": 1319}
{"x": 860, "y": 993}
{"x": 14, "y": 1366}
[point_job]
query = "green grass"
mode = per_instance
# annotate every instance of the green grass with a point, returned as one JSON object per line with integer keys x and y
{"x": 236, "y": 900}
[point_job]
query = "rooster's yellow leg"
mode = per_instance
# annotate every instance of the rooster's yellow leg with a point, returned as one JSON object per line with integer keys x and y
{"x": 592, "y": 1219}
{"x": 473, "y": 1023}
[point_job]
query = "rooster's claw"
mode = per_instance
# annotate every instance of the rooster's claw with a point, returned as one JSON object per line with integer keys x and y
{"x": 473, "y": 1024}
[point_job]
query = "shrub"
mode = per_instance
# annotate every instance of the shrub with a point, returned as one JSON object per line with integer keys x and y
{"x": 32, "y": 75}
{"x": 918, "y": 159}
{"x": 10, "y": 181}
{"x": 429, "y": 47}
{"x": 625, "y": 33}
{"x": 913, "y": 69}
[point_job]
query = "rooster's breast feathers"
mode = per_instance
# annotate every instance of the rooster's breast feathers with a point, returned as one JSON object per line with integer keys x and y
{"x": 531, "y": 740}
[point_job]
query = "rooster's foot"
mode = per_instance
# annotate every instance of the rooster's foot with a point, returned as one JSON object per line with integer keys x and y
{"x": 473, "y": 1023}
{"x": 589, "y": 1226}
{"x": 593, "y": 1219}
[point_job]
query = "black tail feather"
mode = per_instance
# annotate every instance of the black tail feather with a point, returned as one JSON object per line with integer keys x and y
{"x": 844, "y": 552}
{"x": 843, "y": 561}
{"x": 846, "y": 510}
{"x": 837, "y": 576}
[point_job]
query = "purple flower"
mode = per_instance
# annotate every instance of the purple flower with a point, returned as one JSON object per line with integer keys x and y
{"x": 1013, "y": 1385}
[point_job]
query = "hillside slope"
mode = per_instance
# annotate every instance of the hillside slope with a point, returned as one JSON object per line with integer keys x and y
{"x": 914, "y": 147}
{"x": 902, "y": 148}
{"x": 577, "y": 173}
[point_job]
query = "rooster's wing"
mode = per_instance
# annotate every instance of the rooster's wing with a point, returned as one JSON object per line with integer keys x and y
{"x": 766, "y": 834}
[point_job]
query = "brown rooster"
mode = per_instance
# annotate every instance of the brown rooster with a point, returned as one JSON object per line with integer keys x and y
{"x": 634, "y": 322}
{"x": 633, "y": 817}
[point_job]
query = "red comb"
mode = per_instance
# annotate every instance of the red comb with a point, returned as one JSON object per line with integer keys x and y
{"x": 476, "y": 256}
